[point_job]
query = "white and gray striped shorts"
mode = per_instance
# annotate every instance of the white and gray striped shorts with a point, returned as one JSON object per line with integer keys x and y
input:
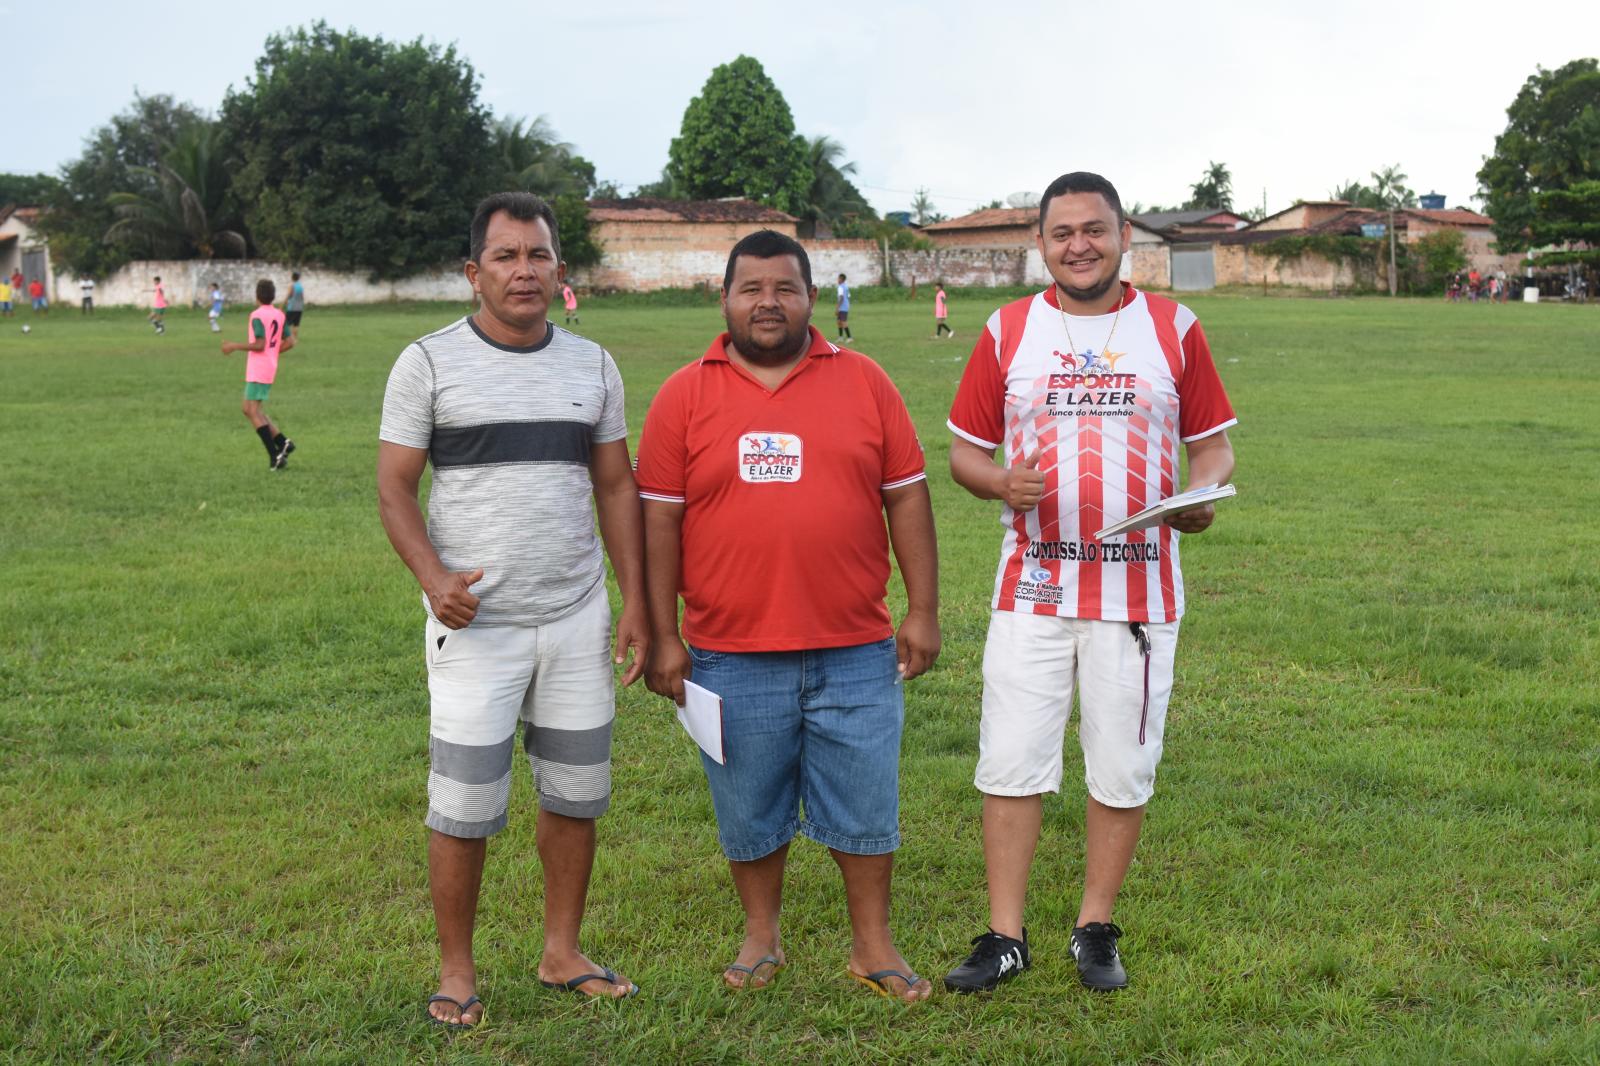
{"x": 557, "y": 680}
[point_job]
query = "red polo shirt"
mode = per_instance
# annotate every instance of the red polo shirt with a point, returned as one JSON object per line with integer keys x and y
{"x": 784, "y": 544}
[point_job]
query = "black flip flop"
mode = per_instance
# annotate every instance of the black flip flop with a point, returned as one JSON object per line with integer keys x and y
{"x": 460, "y": 1006}
{"x": 608, "y": 976}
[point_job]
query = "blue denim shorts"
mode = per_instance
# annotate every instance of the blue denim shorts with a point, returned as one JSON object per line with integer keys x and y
{"x": 817, "y": 731}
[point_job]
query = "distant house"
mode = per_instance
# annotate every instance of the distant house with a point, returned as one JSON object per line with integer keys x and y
{"x": 1183, "y": 223}
{"x": 1303, "y": 215}
{"x": 23, "y": 247}
{"x": 992, "y": 227}
{"x": 1238, "y": 257}
{"x": 635, "y": 236}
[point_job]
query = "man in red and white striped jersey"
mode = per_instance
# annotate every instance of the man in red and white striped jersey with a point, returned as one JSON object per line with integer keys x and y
{"x": 1089, "y": 387}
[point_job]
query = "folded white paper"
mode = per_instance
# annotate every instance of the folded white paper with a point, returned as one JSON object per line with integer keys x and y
{"x": 701, "y": 715}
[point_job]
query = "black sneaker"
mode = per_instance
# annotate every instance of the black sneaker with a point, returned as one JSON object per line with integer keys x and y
{"x": 1094, "y": 946}
{"x": 995, "y": 958}
{"x": 281, "y": 460}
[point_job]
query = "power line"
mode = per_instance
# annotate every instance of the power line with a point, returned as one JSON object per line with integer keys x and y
{"x": 930, "y": 192}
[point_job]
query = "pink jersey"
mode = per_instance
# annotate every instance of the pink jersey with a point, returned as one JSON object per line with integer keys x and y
{"x": 569, "y": 298}
{"x": 266, "y": 323}
{"x": 161, "y": 296}
{"x": 1108, "y": 420}
{"x": 938, "y": 305}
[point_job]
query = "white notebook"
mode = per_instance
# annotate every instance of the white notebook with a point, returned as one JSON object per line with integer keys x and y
{"x": 1156, "y": 512}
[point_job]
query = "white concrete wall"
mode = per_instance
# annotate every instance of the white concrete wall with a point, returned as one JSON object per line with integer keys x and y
{"x": 188, "y": 283}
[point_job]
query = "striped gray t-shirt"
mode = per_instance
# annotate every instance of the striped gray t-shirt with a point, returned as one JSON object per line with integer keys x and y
{"x": 508, "y": 431}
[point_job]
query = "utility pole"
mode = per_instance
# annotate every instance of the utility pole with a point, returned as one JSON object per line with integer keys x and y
{"x": 1393, "y": 281}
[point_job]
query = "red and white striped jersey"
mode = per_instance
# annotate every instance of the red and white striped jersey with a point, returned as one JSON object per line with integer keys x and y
{"x": 1107, "y": 419}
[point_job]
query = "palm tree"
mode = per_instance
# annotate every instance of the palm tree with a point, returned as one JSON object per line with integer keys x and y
{"x": 187, "y": 213}
{"x": 1214, "y": 190}
{"x": 534, "y": 159}
{"x": 831, "y": 196}
{"x": 922, "y": 207}
{"x": 1388, "y": 186}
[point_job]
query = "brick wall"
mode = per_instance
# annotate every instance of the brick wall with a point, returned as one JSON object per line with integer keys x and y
{"x": 1151, "y": 266}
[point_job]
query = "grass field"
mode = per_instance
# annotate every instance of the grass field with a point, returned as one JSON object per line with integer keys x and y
{"x": 1376, "y": 836}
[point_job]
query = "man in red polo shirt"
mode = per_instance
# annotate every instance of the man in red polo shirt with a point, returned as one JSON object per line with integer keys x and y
{"x": 767, "y": 467}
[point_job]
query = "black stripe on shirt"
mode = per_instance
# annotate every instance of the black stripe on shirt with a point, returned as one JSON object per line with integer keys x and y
{"x": 511, "y": 442}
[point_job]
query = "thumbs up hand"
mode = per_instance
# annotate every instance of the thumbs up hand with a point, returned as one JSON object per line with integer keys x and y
{"x": 452, "y": 600}
{"x": 1024, "y": 485}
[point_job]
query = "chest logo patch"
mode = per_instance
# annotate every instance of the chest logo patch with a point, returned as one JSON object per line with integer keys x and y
{"x": 767, "y": 458}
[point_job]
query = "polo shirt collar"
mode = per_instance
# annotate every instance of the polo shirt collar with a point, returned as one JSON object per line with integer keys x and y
{"x": 820, "y": 346}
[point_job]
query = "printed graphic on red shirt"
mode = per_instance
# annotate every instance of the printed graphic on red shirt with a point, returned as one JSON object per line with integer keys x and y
{"x": 767, "y": 458}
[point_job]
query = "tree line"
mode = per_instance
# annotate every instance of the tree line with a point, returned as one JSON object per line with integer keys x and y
{"x": 360, "y": 153}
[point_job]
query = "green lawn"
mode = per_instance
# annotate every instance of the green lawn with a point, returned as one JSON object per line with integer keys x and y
{"x": 1376, "y": 836}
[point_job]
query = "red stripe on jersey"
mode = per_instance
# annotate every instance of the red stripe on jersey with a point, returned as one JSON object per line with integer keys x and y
{"x": 1164, "y": 315}
{"x": 1138, "y": 572}
{"x": 1048, "y": 510}
{"x": 1013, "y": 323}
{"x": 1091, "y": 508}
{"x": 1169, "y": 593}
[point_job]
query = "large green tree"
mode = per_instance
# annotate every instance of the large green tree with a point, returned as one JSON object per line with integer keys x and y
{"x": 738, "y": 139}
{"x": 360, "y": 153}
{"x": 1569, "y": 219}
{"x": 123, "y": 156}
{"x": 27, "y": 188}
{"x": 1551, "y": 141}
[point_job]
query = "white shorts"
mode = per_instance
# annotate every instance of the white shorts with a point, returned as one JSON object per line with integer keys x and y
{"x": 557, "y": 680}
{"x": 213, "y": 313}
{"x": 1031, "y": 665}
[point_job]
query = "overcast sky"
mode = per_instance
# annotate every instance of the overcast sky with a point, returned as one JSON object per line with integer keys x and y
{"x": 971, "y": 100}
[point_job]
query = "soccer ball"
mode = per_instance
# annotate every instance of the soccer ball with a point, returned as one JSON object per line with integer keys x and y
{"x": 27, "y": 328}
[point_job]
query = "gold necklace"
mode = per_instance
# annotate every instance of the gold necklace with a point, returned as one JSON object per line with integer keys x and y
{"x": 1061, "y": 301}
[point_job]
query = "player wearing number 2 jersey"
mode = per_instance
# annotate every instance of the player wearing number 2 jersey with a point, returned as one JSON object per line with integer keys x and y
{"x": 1088, "y": 389}
{"x": 267, "y": 341}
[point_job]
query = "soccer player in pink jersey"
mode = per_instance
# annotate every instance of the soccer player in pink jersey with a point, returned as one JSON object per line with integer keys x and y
{"x": 158, "y": 308}
{"x": 267, "y": 341}
{"x": 1089, "y": 388}
{"x": 941, "y": 313}
{"x": 569, "y": 300}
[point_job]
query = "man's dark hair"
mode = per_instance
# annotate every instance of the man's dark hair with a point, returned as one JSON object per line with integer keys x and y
{"x": 1081, "y": 181}
{"x": 841, "y": 277}
{"x": 522, "y": 206}
{"x": 158, "y": 277}
{"x": 266, "y": 291}
{"x": 295, "y": 276}
{"x": 767, "y": 244}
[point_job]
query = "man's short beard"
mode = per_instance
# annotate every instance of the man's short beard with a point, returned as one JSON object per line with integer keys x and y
{"x": 793, "y": 343}
{"x": 1092, "y": 293}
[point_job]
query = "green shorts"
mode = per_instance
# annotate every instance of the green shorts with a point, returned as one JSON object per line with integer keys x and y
{"x": 256, "y": 390}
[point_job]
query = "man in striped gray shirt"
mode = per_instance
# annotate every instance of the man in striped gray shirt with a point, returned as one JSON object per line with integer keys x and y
{"x": 523, "y": 423}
